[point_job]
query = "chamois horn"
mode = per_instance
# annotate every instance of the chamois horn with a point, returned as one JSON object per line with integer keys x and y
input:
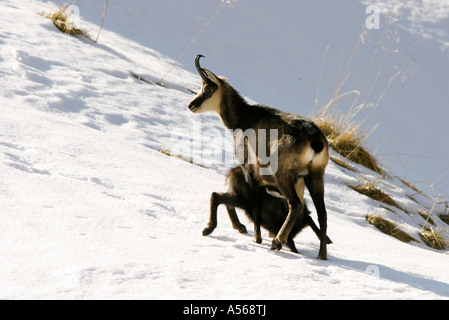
{"x": 198, "y": 67}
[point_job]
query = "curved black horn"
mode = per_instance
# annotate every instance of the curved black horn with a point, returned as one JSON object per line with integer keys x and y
{"x": 198, "y": 67}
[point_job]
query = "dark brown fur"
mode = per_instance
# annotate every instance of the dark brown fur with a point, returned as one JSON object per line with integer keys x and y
{"x": 297, "y": 139}
{"x": 262, "y": 208}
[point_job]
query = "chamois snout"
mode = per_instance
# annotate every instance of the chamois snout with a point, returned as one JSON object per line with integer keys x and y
{"x": 195, "y": 104}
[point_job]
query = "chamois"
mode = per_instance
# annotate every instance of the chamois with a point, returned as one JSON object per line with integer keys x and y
{"x": 260, "y": 205}
{"x": 301, "y": 149}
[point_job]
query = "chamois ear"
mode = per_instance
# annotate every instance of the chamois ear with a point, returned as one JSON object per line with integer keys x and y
{"x": 212, "y": 77}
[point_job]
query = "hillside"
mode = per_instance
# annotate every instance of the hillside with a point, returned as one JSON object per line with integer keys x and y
{"x": 92, "y": 209}
{"x": 294, "y": 56}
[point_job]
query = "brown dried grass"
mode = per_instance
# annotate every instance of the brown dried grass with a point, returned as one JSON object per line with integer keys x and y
{"x": 348, "y": 143}
{"x": 60, "y": 20}
{"x": 388, "y": 227}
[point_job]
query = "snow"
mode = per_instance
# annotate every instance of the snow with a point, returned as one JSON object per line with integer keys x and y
{"x": 275, "y": 55}
{"x": 91, "y": 209}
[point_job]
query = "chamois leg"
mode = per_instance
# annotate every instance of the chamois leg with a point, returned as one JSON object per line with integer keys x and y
{"x": 235, "y": 220}
{"x": 230, "y": 200}
{"x": 291, "y": 245}
{"x": 315, "y": 184}
{"x": 257, "y": 217}
{"x": 214, "y": 203}
{"x": 309, "y": 221}
{"x": 295, "y": 210}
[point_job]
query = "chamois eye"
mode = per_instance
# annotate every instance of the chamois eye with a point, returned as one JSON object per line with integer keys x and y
{"x": 207, "y": 89}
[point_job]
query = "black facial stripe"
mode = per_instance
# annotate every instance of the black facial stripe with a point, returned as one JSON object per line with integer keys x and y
{"x": 198, "y": 101}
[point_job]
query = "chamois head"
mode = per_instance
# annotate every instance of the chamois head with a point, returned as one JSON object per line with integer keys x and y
{"x": 210, "y": 96}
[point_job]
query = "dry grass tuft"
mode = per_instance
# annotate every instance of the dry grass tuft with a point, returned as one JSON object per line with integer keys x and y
{"x": 168, "y": 153}
{"x": 189, "y": 160}
{"x": 60, "y": 20}
{"x": 388, "y": 227}
{"x": 426, "y": 216}
{"x": 343, "y": 164}
{"x": 432, "y": 238}
{"x": 370, "y": 190}
{"x": 348, "y": 141}
{"x": 411, "y": 186}
{"x": 444, "y": 218}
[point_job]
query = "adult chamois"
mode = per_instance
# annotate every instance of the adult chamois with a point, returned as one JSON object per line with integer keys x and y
{"x": 264, "y": 207}
{"x": 300, "y": 148}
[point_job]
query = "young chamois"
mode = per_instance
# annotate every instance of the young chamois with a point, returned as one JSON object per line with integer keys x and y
{"x": 301, "y": 150}
{"x": 260, "y": 206}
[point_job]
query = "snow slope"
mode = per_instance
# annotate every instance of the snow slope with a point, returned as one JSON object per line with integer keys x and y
{"x": 91, "y": 209}
{"x": 280, "y": 54}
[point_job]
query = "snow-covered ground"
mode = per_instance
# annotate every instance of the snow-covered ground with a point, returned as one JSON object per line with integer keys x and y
{"x": 90, "y": 207}
{"x": 281, "y": 54}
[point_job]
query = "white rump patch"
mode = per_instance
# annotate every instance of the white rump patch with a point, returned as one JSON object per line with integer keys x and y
{"x": 306, "y": 157}
{"x": 320, "y": 159}
{"x": 309, "y": 157}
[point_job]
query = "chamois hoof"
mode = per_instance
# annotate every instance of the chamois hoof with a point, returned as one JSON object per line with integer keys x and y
{"x": 322, "y": 256}
{"x": 328, "y": 240}
{"x": 257, "y": 240}
{"x": 276, "y": 244}
{"x": 291, "y": 245}
{"x": 207, "y": 231}
{"x": 241, "y": 229}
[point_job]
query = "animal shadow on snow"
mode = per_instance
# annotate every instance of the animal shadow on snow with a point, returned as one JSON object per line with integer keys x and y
{"x": 390, "y": 274}
{"x": 385, "y": 272}
{"x": 251, "y": 246}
